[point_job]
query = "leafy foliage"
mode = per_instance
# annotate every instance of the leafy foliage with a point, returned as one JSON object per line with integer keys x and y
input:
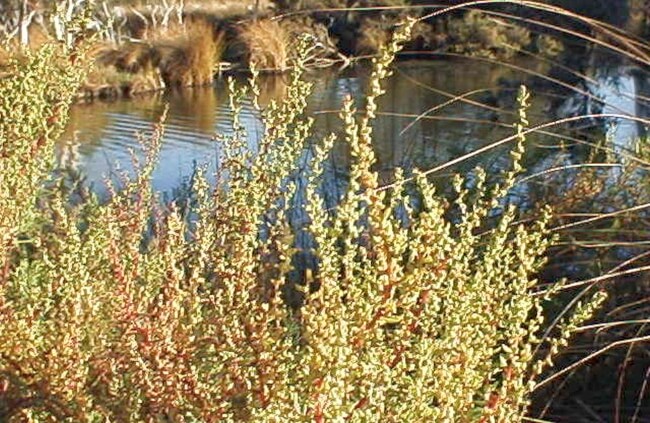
{"x": 127, "y": 311}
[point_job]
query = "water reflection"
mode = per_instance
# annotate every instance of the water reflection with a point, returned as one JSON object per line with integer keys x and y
{"x": 419, "y": 125}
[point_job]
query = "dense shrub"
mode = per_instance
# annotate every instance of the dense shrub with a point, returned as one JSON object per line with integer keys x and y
{"x": 128, "y": 311}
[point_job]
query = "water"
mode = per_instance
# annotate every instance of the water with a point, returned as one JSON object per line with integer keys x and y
{"x": 418, "y": 126}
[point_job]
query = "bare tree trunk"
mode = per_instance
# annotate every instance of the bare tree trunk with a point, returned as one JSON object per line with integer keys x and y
{"x": 21, "y": 17}
{"x": 256, "y": 10}
{"x": 24, "y": 21}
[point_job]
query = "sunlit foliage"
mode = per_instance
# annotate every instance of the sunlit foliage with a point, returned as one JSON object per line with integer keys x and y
{"x": 419, "y": 309}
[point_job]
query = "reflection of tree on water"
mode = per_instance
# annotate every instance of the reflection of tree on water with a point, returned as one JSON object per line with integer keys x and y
{"x": 642, "y": 84}
{"x": 272, "y": 88}
{"x": 198, "y": 105}
{"x": 435, "y": 137}
{"x": 403, "y": 136}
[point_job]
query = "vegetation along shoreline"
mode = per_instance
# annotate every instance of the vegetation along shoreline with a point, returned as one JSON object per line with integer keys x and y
{"x": 145, "y": 48}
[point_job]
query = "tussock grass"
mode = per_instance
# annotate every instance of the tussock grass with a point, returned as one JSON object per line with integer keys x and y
{"x": 267, "y": 44}
{"x": 192, "y": 59}
{"x": 270, "y": 45}
{"x": 5, "y": 56}
{"x": 177, "y": 56}
{"x": 132, "y": 57}
{"x": 110, "y": 83}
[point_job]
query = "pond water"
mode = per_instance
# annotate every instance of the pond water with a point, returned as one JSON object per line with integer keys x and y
{"x": 419, "y": 125}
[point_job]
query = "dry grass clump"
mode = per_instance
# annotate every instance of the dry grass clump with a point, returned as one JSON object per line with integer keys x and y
{"x": 37, "y": 36}
{"x": 374, "y": 33}
{"x": 192, "y": 59}
{"x": 131, "y": 57}
{"x": 107, "y": 82}
{"x": 323, "y": 46}
{"x": 127, "y": 70}
{"x": 177, "y": 56}
{"x": 5, "y": 56}
{"x": 11, "y": 47}
{"x": 270, "y": 45}
{"x": 267, "y": 44}
{"x": 130, "y": 311}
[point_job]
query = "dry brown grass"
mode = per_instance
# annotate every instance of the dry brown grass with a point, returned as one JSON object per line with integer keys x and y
{"x": 180, "y": 55}
{"x": 11, "y": 47}
{"x": 267, "y": 45}
{"x": 191, "y": 59}
{"x": 129, "y": 57}
{"x": 324, "y": 46}
{"x": 107, "y": 82}
{"x": 125, "y": 70}
{"x": 5, "y": 56}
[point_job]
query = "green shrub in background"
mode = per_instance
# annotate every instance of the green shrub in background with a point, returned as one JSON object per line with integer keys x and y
{"x": 126, "y": 311}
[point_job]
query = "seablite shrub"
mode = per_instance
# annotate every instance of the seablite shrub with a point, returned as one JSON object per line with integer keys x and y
{"x": 418, "y": 310}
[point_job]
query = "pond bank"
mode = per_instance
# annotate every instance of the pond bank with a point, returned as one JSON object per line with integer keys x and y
{"x": 200, "y": 45}
{"x": 149, "y": 48}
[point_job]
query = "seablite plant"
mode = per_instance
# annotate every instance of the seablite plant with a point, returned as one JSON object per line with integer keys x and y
{"x": 418, "y": 308}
